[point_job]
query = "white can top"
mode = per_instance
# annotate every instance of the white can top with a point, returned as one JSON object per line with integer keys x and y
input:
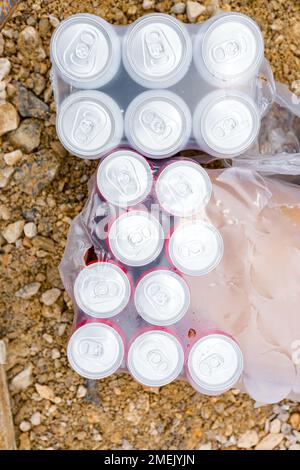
{"x": 157, "y": 51}
{"x": 102, "y": 289}
{"x": 162, "y": 297}
{"x": 89, "y": 123}
{"x": 195, "y": 248}
{"x": 124, "y": 178}
{"x": 215, "y": 363}
{"x": 155, "y": 358}
{"x": 136, "y": 238}
{"x": 183, "y": 188}
{"x": 158, "y": 123}
{"x": 95, "y": 350}
{"x": 86, "y": 51}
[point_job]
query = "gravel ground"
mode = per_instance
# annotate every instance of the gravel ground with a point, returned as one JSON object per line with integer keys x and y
{"x": 42, "y": 189}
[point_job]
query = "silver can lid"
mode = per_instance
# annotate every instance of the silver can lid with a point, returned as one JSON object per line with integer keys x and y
{"x": 215, "y": 363}
{"x": 86, "y": 51}
{"x": 157, "y": 51}
{"x": 124, "y": 178}
{"x": 89, "y": 123}
{"x": 195, "y": 248}
{"x": 102, "y": 289}
{"x": 183, "y": 188}
{"x": 232, "y": 46}
{"x": 158, "y": 123}
{"x": 95, "y": 350}
{"x": 155, "y": 358}
{"x": 162, "y": 297}
{"x": 136, "y": 238}
{"x": 228, "y": 122}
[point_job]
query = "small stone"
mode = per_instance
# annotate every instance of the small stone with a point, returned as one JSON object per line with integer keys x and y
{"x": 30, "y": 229}
{"x": 1, "y": 45}
{"x": 44, "y": 26}
{"x": 213, "y": 7}
{"x": 294, "y": 447}
{"x": 295, "y": 420}
{"x": 48, "y": 338}
{"x": 5, "y": 175}
{"x": 36, "y": 419}
{"x": 13, "y": 231}
{"x": 28, "y": 104}
{"x": 28, "y": 291}
{"x": 275, "y": 426}
{"x": 50, "y": 296}
{"x": 55, "y": 354}
{"x": 30, "y": 45}
{"x": 24, "y": 442}
{"x": 148, "y": 4}
{"x": 5, "y": 67}
{"x": 54, "y": 21}
{"x": 4, "y": 212}
{"x": 9, "y": 118}
{"x": 12, "y": 158}
{"x": 81, "y": 392}
{"x": 193, "y": 10}
{"x": 205, "y": 446}
{"x": 27, "y": 137}
{"x": 269, "y": 442}
{"x": 45, "y": 392}
{"x": 22, "y": 380}
{"x": 178, "y": 8}
{"x": 59, "y": 149}
{"x": 25, "y": 426}
{"x": 248, "y": 439}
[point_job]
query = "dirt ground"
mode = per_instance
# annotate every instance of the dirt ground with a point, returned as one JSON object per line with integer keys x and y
{"x": 42, "y": 189}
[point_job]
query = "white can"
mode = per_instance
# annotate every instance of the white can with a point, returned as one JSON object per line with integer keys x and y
{"x": 157, "y": 51}
{"x": 89, "y": 123}
{"x": 96, "y": 350}
{"x": 155, "y": 358}
{"x": 136, "y": 238}
{"x": 228, "y": 49}
{"x": 85, "y": 51}
{"x": 158, "y": 123}
{"x": 124, "y": 178}
{"x": 162, "y": 297}
{"x": 226, "y": 123}
{"x": 195, "y": 248}
{"x": 183, "y": 188}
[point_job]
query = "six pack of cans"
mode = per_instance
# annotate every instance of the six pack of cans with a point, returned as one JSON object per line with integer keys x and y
{"x": 157, "y": 85}
{"x": 132, "y": 299}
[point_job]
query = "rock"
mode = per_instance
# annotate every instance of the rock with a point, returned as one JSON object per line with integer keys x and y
{"x": 148, "y": 4}
{"x": 294, "y": 447}
{"x": 205, "y": 446}
{"x": 295, "y": 420}
{"x": 28, "y": 104}
{"x": 1, "y": 45}
{"x": 12, "y": 158}
{"x": 39, "y": 83}
{"x": 27, "y": 137}
{"x": 9, "y": 118}
{"x": 22, "y": 380}
{"x": 269, "y": 442}
{"x": 44, "y": 26}
{"x": 213, "y": 7}
{"x": 81, "y": 391}
{"x": 37, "y": 172}
{"x": 28, "y": 291}
{"x": 248, "y": 439}
{"x": 30, "y": 45}
{"x": 50, "y": 296}
{"x": 36, "y": 419}
{"x": 193, "y": 10}
{"x": 178, "y": 8}
{"x": 43, "y": 243}
{"x": 45, "y": 392}
{"x": 4, "y": 212}
{"x": 275, "y": 426}
{"x": 24, "y": 442}
{"x": 59, "y": 149}
{"x": 5, "y": 67}
{"x": 55, "y": 354}
{"x": 25, "y": 426}
{"x": 5, "y": 175}
{"x": 30, "y": 229}
{"x": 13, "y": 231}
{"x": 54, "y": 21}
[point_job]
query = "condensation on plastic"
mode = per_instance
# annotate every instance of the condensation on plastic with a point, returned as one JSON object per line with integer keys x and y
{"x": 253, "y": 294}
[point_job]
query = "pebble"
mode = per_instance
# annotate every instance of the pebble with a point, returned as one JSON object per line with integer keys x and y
{"x": 148, "y": 4}
{"x": 294, "y": 447}
{"x": 44, "y": 26}
{"x": 5, "y": 67}
{"x": 4, "y": 212}
{"x": 1, "y": 44}
{"x": 27, "y": 137}
{"x": 269, "y": 442}
{"x": 22, "y": 380}
{"x": 248, "y": 439}
{"x": 178, "y": 8}
{"x": 54, "y": 21}
{"x": 295, "y": 420}
{"x": 45, "y": 392}
{"x": 9, "y": 118}
{"x": 36, "y": 419}
{"x": 5, "y": 175}
{"x": 29, "y": 44}
{"x": 50, "y": 296}
{"x": 13, "y": 231}
{"x": 55, "y": 354}
{"x": 207, "y": 446}
{"x": 81, "y": 391}
{"x": 30, "y": 229}
{"x": 12, "y": 158}
{"x": 193, "y": 10}
{"x": 28, "y": 104}
{"x": 275, "y": 426}
{"x": 25, "y": 426}
{"x": 28, "y": 291}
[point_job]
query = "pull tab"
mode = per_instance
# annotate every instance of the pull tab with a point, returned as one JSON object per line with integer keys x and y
{"x": 91, "y": 348}
{"x": 124, "y": 178}
{"x": 101, "y": 290}
{"x": 229, "y": 126}
{"x": 158, "y": 296}
{"x": 138, "y": 236}
{"x": 158, "y": 53}
{"x": 87, "y": 125}
{"x": 180, "y": 186}
{"x": 157, "y": 360}
{"x": 158, "y": 126}
{"x": 192, "y": 249}
{"x": 211, "y": 364}
{"x": 81, "y": 53}
{"x": 229, "y": 51}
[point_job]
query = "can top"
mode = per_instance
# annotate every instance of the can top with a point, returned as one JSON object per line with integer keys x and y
{"x": 183, "y": 188}
{"x": 157, "y": 51}
{"x": 162, "y": 297}
{"x": 136, "y": 238}
{"x": 196, "y": 248}
{"x": 85, "y": 47}
{"x": 229, "y": 122}
{"x": 215, "y": 362}
{"x": 89, "y": 122}
{"x": 102, "y": 289}
{"x": 95, "y": 350}
{"x": 158, "y": 122}
{"x": 155, "y": 358}
{"x": 124, "y": 178}
{"x": 232, "y": 46}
